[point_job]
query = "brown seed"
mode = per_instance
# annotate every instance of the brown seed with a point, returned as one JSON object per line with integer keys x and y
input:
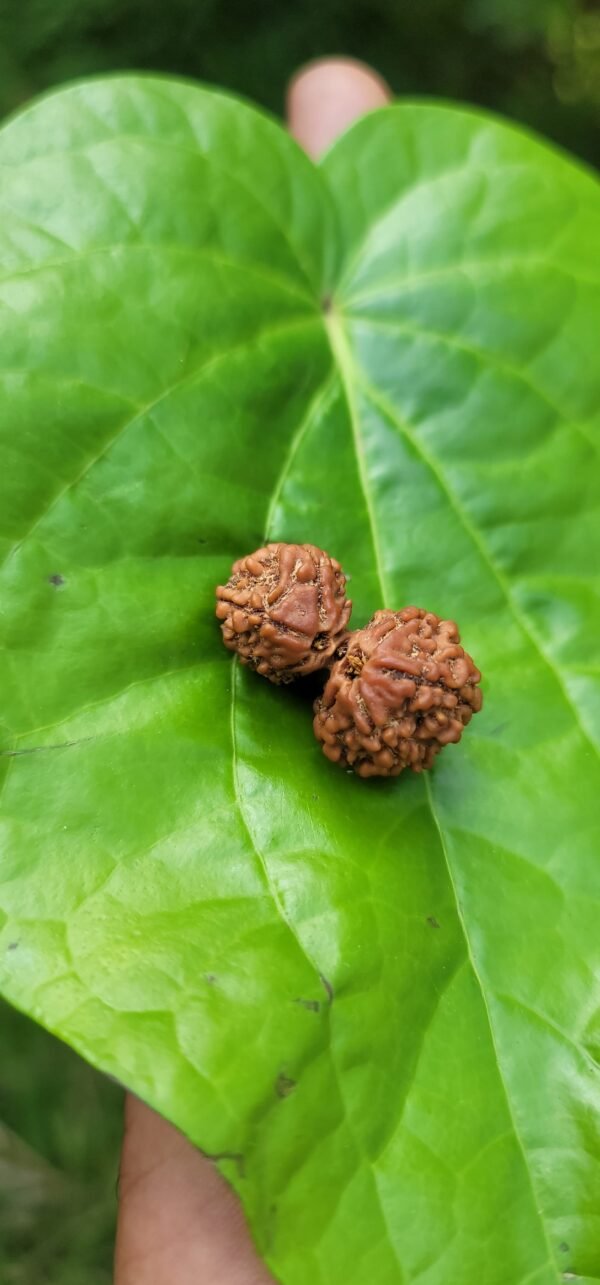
{"x": 284, "y": 610}
{"x": 394, "y": 692}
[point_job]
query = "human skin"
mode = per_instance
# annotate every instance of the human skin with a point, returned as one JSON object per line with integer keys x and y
{"x": 179, "y": 1223}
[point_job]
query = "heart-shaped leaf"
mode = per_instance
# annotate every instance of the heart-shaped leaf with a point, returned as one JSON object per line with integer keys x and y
{"x": 373, "y": 1002}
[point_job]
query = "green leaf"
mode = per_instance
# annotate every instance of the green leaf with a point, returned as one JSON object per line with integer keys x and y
{"x": 374, "y": 1002}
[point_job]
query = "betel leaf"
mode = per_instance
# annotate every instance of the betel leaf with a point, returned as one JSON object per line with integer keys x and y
{"x": 374, "y": 1002}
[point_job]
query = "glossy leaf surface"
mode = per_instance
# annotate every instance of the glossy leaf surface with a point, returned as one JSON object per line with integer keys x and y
{"x": 374, "y": 1002}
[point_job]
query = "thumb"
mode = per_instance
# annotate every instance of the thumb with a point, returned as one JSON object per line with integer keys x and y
{"x": 324, "y": 98}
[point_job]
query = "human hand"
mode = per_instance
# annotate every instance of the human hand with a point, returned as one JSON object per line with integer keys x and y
{"x": 179, "y": 1223}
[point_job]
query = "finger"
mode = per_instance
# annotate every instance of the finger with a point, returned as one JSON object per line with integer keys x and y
{"x": 326, "y": 96}
{"x": 179, "y": 1223}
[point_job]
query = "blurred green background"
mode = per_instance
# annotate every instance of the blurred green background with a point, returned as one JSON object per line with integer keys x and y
{"x": 537, "y": 61}
{"x": 60, "y": 1125}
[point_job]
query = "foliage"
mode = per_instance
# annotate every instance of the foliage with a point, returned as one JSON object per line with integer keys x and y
{"x": 371, "y": 1001}
{"x": 534, "y": 60}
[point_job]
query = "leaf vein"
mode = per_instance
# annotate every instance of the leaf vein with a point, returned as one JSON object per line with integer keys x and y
{"x": 141, "y": 247}
{"x": 481, "y": 987}
{"x": 468, "y": 525}
{"x": 202, "y": 370}
{"x": 485, "y": 359}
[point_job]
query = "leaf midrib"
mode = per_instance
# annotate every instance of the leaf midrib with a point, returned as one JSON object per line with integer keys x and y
{"x": 344, "y": 360}
{"x": 287, "y": 922}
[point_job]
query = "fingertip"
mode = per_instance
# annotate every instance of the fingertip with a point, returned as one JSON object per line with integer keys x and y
{"x": 179, "y": 1223}
{"x": 326, "y": 96}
